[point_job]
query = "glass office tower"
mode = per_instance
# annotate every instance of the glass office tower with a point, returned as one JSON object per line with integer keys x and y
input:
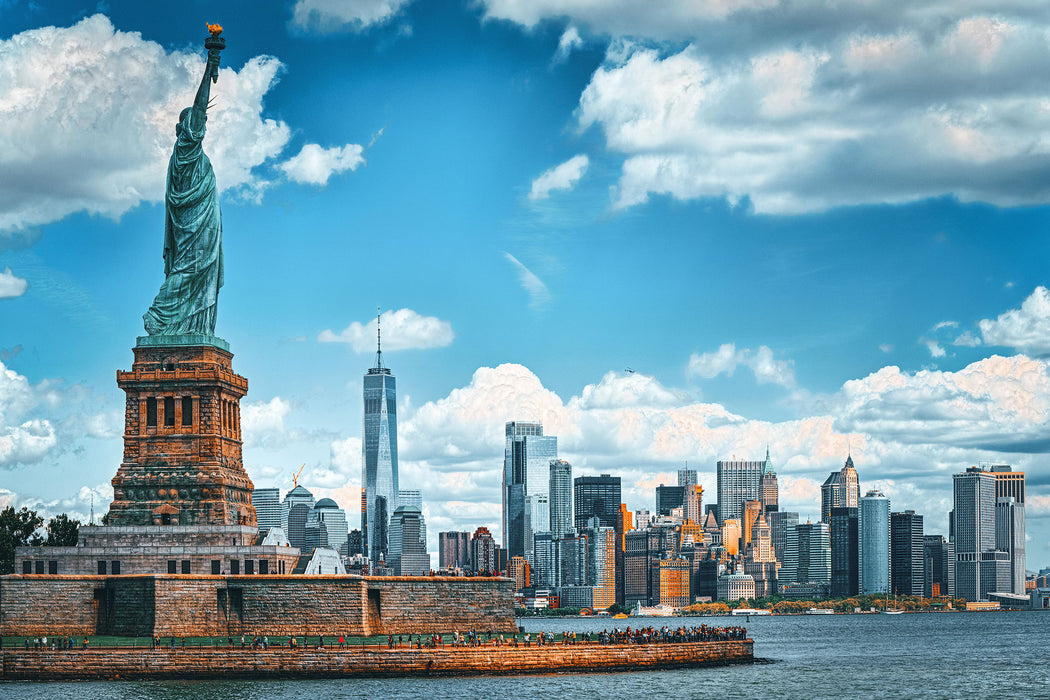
{"x": 378, "y": 457}
{"x": 873, "y": 543}
{"x": 526, "y": 472}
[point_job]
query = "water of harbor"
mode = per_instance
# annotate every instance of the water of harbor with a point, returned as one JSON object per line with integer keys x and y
{"x": 934, "y": 655}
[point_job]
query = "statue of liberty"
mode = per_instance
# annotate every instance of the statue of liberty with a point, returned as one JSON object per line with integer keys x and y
{"x": 187, "y": 301}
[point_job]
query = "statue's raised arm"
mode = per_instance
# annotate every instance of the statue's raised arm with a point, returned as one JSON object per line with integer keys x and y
{"x": 187, "y": 301}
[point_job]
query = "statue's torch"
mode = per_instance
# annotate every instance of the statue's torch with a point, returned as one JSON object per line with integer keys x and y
{"x": 214, "y": 43}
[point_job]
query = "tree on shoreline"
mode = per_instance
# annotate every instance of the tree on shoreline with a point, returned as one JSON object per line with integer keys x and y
{"x": 62, "y": 531}
{"x": 17, "y": 529}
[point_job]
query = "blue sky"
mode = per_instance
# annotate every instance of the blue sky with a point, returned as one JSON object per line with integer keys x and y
{"x": 806, "y": 224}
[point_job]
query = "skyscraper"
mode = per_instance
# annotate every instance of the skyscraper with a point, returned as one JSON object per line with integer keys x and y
{"x": 873, "y": 543}
{"x": 560, "y": 497}
{"x": 738, "y": 481}
{"x": 976, "y": 557}
{"x": 780, "y": 523}
{"x": 378, "y": 455}
{"x": 807, "y": 557}
{"x": 267, "y": 503}
{"x": 668, "y": 498}
{"x": 454, "y": 550}
{"x": 295, "y": 511}
{"x": 907, "y": 551}
{"x": 768, "y": 491}
{"x": 692, "y": 502}
{"x": 328, "y": 513}
{"x": 601, "y": 563}
{"x": 526, "y": 472}
{"x": 939, "y": 565}
{"x": 408, "y": 542}
{"x": 1009, "y": 522}
{"x": 840, "y": 490}
{"x": 596, "y": 497}
{"x": 1009, "y": 538}
{"x": 537, "y": 519}
{"x": 483, "y": 551}
{"x": 410, "y": 498}
{"x": 844, "y": 543}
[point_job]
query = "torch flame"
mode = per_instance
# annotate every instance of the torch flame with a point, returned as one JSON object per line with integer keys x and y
{"x": 214, "y": 29}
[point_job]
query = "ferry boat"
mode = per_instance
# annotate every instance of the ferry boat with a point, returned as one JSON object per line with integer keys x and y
{"x": 751, "y": 611}
{"x": 820, "y": 611}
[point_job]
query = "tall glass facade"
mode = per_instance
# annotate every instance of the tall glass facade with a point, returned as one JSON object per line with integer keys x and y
{"x": 267, "y": 504}
{"x": 738, "y": 481}
{"x": 561, "y": 497}
{"x": 379, "y": 458}
{"x": 873, "y": 549}
{"x": 844, "y": 543}
{"x": 526, "y": 472}
{"x": 408, "y": 542}
{"x": 596, "y": 497}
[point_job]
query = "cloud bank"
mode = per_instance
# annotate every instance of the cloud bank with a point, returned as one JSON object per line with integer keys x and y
{"x": 108, "y": 101}
{"x": 805, "y": 106}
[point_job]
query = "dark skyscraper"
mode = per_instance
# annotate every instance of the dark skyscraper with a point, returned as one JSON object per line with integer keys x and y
{"x": 937, "y": 567}
{"x": 596, "y": 497}
{"x": 845, "y": 579}
{"x": 668, "y": 497}
{"x": 907, "y": 550}
{"x": 378, "y": 456}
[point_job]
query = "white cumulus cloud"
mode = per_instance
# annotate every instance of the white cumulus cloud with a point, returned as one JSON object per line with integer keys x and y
{"x": 313, "y": 165}
{"x": 263, "y": 421}
{"x": 91, "y": 128}
{"x": 1027, "y": 329}
{"x": 403, "y": 329}
{"x": 326, "y": 16}
{"x": 11, "y": 285}
{"x": 560, "y": 177}
{"x": 766, "y": 368}
{"x": 805, "y": 106}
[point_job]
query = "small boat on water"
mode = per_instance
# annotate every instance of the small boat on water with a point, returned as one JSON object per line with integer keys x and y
{"x": 894, "y": 610}
{"x": 619, "y": 616}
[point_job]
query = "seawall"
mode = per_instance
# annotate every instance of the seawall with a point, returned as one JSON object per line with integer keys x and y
{"x": 219, "y": 606}
{"x": 188, "y": 663}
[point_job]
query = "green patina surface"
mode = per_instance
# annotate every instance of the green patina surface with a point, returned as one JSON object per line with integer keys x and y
{"x": 153, "y": 341}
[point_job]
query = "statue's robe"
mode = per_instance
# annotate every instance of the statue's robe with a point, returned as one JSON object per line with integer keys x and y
{"x": 187, "y": 301}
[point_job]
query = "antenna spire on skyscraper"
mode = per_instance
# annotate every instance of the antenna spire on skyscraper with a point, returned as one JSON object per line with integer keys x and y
{"x": 379, "y": 339}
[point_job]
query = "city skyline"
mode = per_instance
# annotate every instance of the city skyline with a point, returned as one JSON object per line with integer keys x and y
{"x": 582, "y": 246}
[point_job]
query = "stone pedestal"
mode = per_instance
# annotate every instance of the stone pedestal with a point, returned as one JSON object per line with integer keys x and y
{"x": 182, "y": 437}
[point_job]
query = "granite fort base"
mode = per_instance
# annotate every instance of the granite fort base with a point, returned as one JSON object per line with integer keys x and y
{"x": 112, "y": 664}
{"x": 200, "y": 606}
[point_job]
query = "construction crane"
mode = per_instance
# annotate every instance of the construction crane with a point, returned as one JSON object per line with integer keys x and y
{"x": 295, "y": 477}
